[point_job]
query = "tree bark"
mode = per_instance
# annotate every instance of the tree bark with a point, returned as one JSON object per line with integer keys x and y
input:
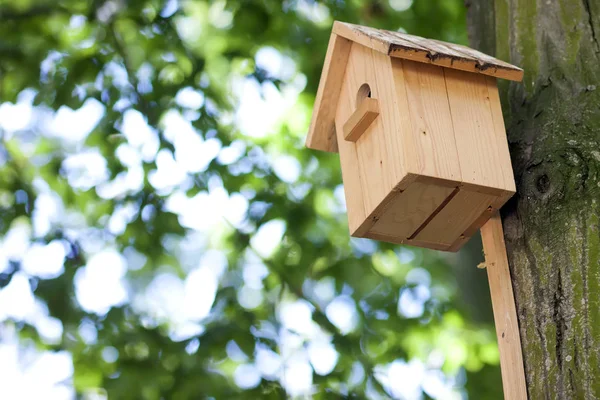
{"x": 552, "y": 224}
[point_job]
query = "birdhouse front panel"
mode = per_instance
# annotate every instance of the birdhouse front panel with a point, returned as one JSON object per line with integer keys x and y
{"x": 373, "y": 162}
{"x": 422, "y": 146}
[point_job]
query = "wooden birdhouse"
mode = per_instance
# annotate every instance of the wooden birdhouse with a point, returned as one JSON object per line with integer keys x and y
{"x": 419, "y": 130}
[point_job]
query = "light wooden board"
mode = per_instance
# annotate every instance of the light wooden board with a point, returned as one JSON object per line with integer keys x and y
{"x": 361, "y": 119}
{"x": 379, "y": 210}
{"x": 397, "y": 240}
{"x": 431, "y": 121}
{"x": 353, "y": 193}
{"x": 376, "y": 166}
{"x": 483, "y": 153}
{"x": 473, "y": 228}
{"x": 351, "y": 173}
{"x": 431, "y": 51}
{"x": 383, "y": 151}
{"x": 365, "y": 183}
{"x": 321, "y": 133}
{"x": 399, "y": 143}
{"x": 500, "y": 139}
{"x": 505, "y": 313}
{"x": 410, "y": 209}
{"x": 454, "y": 219}
{"x": 376, "y": 175}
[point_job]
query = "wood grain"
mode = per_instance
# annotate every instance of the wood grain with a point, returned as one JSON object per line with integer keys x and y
{"x": 500, "y": 140}
{"x": 431, "y": 121}
{"x": 454, "y": 219}
{"x": 399, "y": 240}
{"x": 401, "y": 148}
{"x": 361, "y": 119}
{"x": 409, "y": 209}
{"x": 351, "y": 172}
{"x": 483, "y": 152}
{"x": 321, "y": 133}
{"x": 424, "y": 159}
{"x": 473, "y": 228}
{"x": 415, "y": 48}
{"x": 384, "y": 151}
{"x": 505, "y": 314}
{"x": 370, "y": 168}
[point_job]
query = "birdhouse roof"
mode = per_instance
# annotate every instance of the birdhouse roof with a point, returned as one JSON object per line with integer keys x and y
{"x": 321, "y": 135}
{"x": 431, "y": 51}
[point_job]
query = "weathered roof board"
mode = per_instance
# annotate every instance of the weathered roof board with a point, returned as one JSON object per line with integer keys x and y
{"x": 321, "y": 134}
{"x": 402, "y": 45}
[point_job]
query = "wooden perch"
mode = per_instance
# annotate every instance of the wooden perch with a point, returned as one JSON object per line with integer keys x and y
{"x": 362, "y": 118}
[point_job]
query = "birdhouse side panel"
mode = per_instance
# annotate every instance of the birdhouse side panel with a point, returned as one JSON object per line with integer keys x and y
{"x": 479, "y": 130}
{"x": 434, "y": 151}
{"x": 482, "y": 152}
{"x": 397, "y": 147}
{"x": 501, "y": 141}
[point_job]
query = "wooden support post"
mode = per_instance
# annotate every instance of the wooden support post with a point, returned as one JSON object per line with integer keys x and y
{"x": 505, "y": 313}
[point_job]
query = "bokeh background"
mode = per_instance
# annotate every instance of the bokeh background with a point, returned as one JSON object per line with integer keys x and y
{"x": 166, "y": 235}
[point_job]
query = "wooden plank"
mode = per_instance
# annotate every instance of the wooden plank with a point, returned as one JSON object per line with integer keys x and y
{"x": 410, "y": 209}
{"x": 355, "y": 170}
{"x": 459, "y": 57}
{"x": 501, "y": 141}
{"x": 353, "y": 191}
{"x": 375, "y": 39}
{"x": 483, "y": 189}
{"x": 498, "y": 202}
{"x": 454, "y": 219}
{"x": 383, "y": 152}
{"x": 398, "y": 142}
{"x": 361, "y": 119}
{"x": 472, "y": 229}
{"x": 505, "y": 313}
{"x": 397, "y": 240}
{"x": 378, "y": 211}
{"x": 485, "y": 60}
{"x": 321, "y": 133}
{"x": 438, "y": 49}
{"x": 483, "y": 155}
{"x": 432, "y": 128}
{"x": 402, "y": 45}
{"x": 378, "y": 177}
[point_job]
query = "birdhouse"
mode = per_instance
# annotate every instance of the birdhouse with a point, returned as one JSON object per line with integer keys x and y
{"x": 419, "y": 130}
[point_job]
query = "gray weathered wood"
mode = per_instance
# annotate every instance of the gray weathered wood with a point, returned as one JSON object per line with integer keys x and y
{"x": 402, "y": 45}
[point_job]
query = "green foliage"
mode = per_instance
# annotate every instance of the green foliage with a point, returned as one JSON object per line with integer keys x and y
{"x": 134, "y": 57}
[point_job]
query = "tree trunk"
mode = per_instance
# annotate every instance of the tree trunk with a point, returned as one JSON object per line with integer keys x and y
{"x": 552, "y": 224}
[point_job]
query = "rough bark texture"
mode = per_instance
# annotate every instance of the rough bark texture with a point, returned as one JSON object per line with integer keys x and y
{"x": 552, "y": 224}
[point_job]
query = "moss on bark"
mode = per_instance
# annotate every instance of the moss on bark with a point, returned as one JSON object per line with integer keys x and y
{"x": 552, "y": 225}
